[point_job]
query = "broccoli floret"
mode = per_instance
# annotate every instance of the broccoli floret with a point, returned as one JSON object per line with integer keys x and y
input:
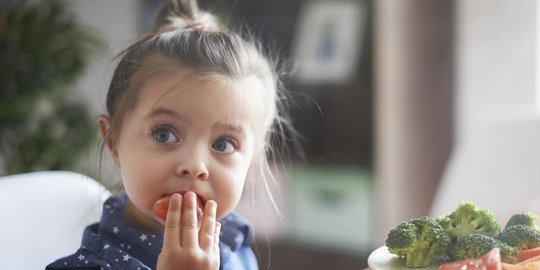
{"x": 419, "y": 240}
{"x": 520, "y": 237}
{"x": 444, "y": 221}
{"x": 527, "y": 219}
{"x": 468, "y": 219}
{"x": 509, "y": 254}
{"x": 473, "y": 246}
{"x": 402, "y": 239}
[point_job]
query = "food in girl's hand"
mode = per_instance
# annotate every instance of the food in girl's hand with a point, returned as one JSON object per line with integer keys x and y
{"x": 418, "y": 241}
{"x": 473, "y": 232}
{"x": 161, "y": 207}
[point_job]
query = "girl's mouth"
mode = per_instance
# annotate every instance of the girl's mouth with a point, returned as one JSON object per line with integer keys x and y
{"x": 161, "y": 207}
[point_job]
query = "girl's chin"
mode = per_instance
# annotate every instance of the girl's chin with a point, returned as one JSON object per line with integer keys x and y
{"x": 145, "y": 220}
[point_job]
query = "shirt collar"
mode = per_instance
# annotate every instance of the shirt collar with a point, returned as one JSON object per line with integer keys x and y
{"x": 236, "y": 232}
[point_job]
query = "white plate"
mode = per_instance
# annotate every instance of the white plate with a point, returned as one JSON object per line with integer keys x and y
{"x": 381, "y": 259}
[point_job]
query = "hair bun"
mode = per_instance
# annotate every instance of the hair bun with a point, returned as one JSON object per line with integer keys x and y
{"x": 185, "y": 14}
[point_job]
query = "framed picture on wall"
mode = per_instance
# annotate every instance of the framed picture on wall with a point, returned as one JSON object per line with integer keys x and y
{"x": 328, "y": 40}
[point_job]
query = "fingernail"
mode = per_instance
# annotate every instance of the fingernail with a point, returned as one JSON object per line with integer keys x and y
{"x": 191, "y": 196}
{"x": 176, "y": 197}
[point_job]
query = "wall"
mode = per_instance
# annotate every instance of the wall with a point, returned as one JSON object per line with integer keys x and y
{"x": 495, "y": 59}
{"x": 414, "y": 106}
{"x": 115, "y": 22}
{"x": 496, "y": 118}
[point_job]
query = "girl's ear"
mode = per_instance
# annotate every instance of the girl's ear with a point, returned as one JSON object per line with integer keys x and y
{"x": 104, "y": 129}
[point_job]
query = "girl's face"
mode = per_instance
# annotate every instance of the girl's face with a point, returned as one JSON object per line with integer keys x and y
{"x": 186, "y": 133}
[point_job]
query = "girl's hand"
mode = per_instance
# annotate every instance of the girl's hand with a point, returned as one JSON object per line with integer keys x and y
{"x": 184, "y": 245}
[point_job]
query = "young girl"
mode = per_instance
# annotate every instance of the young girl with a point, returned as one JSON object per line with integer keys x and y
{"x": 191, "y": 108}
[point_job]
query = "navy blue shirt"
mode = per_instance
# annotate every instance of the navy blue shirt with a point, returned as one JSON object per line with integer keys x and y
{"x": 118, "y": 243}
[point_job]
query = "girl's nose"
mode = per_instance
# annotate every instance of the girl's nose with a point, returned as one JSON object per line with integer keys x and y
{"x": 194, "y": 168}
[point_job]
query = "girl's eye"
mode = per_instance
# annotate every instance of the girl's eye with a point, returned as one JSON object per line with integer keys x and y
{"x": 224, "y": 145}
{"x": 164, "y": 135}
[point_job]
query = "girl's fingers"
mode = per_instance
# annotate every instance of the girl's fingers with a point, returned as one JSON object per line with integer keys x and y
{"x": 171, "y": 235}
{"x": 208, "y": 227}
{"x": 189, "y": 235}
{"x": 216, "y": 239}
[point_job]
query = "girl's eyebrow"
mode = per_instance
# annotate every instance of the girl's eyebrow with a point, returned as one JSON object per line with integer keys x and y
{"x": 230, "y": 127}
{"x": 163, "y": 111}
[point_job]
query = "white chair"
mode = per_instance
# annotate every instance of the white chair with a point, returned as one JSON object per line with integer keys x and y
{"x": 498, "y": 167}
{"x": 43, "y": 216}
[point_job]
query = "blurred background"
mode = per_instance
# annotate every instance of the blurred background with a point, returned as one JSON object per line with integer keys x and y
{"x": 406, "y": 108}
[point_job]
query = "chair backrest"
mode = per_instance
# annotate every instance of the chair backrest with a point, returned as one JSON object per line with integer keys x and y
{"x": 43, "y": 216}
{"x": 498, "y": 167}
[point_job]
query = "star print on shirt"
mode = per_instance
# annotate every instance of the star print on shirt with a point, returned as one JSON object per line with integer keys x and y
{"x": 143, "y": 237}
{"x": 103, "y": 246}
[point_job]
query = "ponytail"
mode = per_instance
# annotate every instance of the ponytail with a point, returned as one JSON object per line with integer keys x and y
{"x": 178, "y": 14}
